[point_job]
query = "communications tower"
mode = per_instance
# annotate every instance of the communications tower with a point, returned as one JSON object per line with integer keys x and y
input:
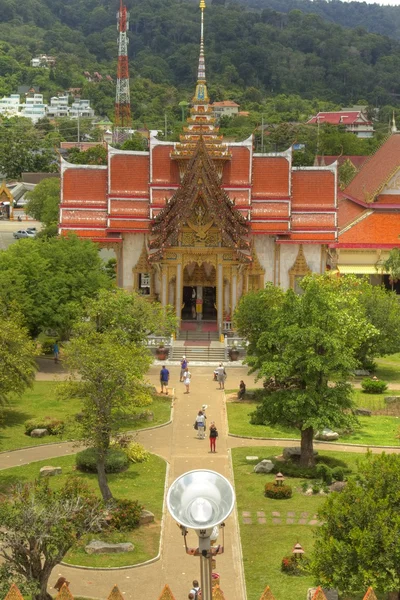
{"x": 122, "y": 122}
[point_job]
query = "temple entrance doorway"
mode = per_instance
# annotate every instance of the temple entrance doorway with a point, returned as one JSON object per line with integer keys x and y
{"x": 199, "y": 294}
{"x": 189, "y": 303}
{"x": 209, "y": 303}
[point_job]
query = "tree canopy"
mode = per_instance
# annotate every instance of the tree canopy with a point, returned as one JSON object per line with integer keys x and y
{"x": 44, "y": 201}
{"x": 304, "y": 348}
{"x": 357, "y": 543}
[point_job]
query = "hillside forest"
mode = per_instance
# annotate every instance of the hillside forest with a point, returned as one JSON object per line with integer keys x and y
{"x": 280, "y": 63}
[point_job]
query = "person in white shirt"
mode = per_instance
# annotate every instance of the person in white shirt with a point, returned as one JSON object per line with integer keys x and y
{"x": 186, "y": 380}
{"x": 221, "y": 376}
{"x": 201, "y": 425}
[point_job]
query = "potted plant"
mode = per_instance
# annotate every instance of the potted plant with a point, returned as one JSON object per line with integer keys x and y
{"x": 162, "y": 351}
{"x": 234, "y": 351}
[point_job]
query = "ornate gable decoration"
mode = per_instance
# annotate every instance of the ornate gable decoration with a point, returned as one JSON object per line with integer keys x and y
{"x": 64, "y": 593}
{"x": 5, "y": 194}
{"x": 166, "y": 594}
{"x": 370, "y": 595}
{"x": 299, "y": 269}
{"x": 218, "y": 594}
{"x": 142, "y": 265}
{"x": 267, "y": 594}
{"x": 14, "y": 593}
{"x": 115, "y": 594}
{"x": 319, "y": 594}
{"x": 200, "y": 203}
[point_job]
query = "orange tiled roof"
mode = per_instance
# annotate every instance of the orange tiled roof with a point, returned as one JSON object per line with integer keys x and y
{"x": 376, "y": 171}
{"x": 348, "y": 211}
{"x": 377, "y": 228}
{"x": 269, "y": 226}
{"x": 313, "y": 237}
{"x": 312, "y": 220}
{"x": 388, "y": 199}
{"x": 227, "y": 103}
{"x": 165, "y": 170}
{"x": 129, "y": 175}
{"x": 237, "y": 170}
{"x": 84, "y": 184}
{"x": 270, "y": 177}
{"x": 129, "y": 208}
{"x": 90, "y": 218}
{"x": 313, "y": 188}
{"x": 270, "y": 209}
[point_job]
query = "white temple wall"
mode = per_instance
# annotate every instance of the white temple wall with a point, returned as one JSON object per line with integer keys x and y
{"x": 264, "y": 246}
{"x": 132, "y": 248}
{"x": 288, "y": 255}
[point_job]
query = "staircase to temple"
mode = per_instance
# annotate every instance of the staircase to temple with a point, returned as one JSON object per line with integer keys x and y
{"x": 198, "y": 351}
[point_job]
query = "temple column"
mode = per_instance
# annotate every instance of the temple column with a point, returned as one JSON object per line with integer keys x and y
{"x": 164, "y": 287}
{"x": 233, "y": 290}
{"x": 220, "y": 296}
{"x": 178, "y": 294}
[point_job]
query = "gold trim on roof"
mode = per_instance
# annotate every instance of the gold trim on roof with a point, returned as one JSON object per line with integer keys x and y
{"x": 14, "y": 593}
{"x": 267, "y": 594}
{"x": 64, "y": 593}
{"x": 166, "y": 594}
{"x": 218, "y": 594}
{"x": 370, "y": 595}
{"x": 4, "y": 190}
{"x": 115, "y": 594}
{"x": 319, "y": 594}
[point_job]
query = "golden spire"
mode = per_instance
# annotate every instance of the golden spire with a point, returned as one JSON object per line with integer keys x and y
{"x": 202, "y": 4}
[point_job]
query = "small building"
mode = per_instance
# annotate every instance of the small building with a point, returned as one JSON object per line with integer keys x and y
{"x": 43, "y": 61}
{"x": 81, "y": 108}
{"x": 34, "y": 107}
{"x": 10, "y": 105}
{"x": 226, "y": 108}
{"x": 354, "y": 121}
{"x": 58, "y": 107}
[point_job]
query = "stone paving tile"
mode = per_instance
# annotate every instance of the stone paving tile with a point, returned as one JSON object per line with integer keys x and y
{"x": 291, "y": 514}
{"x": 260, "y": 513}
{"x": 245, "y": 513}
{"x": 276, "y": 521}
{"x": 289, "y": 521}
{"x": 313, "y": 522}
{"x": 262, "y": 520}
{"x": 247, "y": 521}
{"x": 304, "y": 515}
{"x": 276, "y": 514}
{"x": 302, "y": 521}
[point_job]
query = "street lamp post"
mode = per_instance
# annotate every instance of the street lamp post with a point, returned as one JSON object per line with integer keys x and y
{"x": 202, "y": 500}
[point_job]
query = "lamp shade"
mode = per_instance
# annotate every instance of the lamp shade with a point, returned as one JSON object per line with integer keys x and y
{"x": 200, "y": 499}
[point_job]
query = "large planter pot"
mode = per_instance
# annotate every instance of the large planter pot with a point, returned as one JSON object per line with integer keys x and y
{"x": 162, "y": 353}
{"x": 234, "y": 354}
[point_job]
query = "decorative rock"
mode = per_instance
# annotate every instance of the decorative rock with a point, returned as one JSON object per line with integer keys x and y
{"x": 99, "y": 547}
{"x": 331, "y": 594}
{"x": 50, "y": 471}
{"x": 337, "y": 486}
{"x": 250, "y": 395}
{"x": 294, "y": 451}
{"x": 327, "y": 435}
{"x": 38, "y": 433}
{"x": 146, "y": 517}
{"x": 361, "y": 373}
{"x": 392, "y": 399}
{"x": 364, "y": 412}
{"x": 252, "y": 458}
{"x": 265, "y": 466}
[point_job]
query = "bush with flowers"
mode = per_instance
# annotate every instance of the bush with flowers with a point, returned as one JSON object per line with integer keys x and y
{"x": 278, "y": 492}
{"x": 125, "y": 514}
{"x": 292, "y": 565}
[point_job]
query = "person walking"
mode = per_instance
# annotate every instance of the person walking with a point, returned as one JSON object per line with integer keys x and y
{"x": 184, "y": 366}
{"x": 56, "y": 351}
{"x": 221, "y": 376}
{"x": 201, "y": 425}
{"x": 164, "y": 378}
{"x": 195, "y": 589}
{"x": 213, "y": 436}
{"x": 186, "y": 380}
{"x": 242, "y": 390}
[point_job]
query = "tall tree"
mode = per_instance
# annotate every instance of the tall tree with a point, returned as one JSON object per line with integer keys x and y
{"x": 44, "y": 201}
{"x": 109, "y": 359}
{"x": 304, "y": 347}
{"x": 357, "y": 544}
{"x": 40, "y": 525}
{"x": 392, "y": 266}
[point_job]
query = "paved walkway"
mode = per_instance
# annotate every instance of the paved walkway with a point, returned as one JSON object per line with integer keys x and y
{"x": 177, "y": 443}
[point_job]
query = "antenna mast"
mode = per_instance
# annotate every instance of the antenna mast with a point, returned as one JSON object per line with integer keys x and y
{"x": 122, "y": 122}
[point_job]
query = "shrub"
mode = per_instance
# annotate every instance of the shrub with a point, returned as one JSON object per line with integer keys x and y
{"x": 316, "y": 488}
{"x": 304, "y": 486}
{"x": 325, "y": 473}
{"x": 116, "y": 460}
{"x": 294, "y": 566}
{"x": 372, "y": 386}
{"x": 338, "y": 474}
{"x": 46, "y": 342}
{"x": 53, "y": 426}
{"x": 278, "y": 492}
{"x": 292, "y": 469}
{"x": 125, "y": 514}
{"x": 137, "y": 453}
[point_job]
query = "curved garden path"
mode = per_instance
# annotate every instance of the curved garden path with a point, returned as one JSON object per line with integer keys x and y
{"x": 178, "y": 445}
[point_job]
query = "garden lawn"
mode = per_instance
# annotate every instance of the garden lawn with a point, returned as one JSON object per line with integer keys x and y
{"x": 264, "y": 545}
{"x": 389, "y": 368}
{"x": 143, "y": 482}
{"x": 42, "y": 401}
{"x": 377, "y": 430}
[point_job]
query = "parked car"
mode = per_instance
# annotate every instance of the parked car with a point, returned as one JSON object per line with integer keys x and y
{"x": 31, "y": 230}
{"x": 24, "y": 233}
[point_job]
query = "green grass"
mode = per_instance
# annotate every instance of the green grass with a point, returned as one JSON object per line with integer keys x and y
{"x": 389, "y": 368}
{"x": 264, "y": 546}
{"x": 379, "y": 430}
{"x": 42, "y": 401}
{"x": 143, "y": 482}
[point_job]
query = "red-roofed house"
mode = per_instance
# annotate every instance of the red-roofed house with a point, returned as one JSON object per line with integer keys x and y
{"x": 203, "y": 218}
{"x": 354, "y": 121}
{"x": 226, "y": 108}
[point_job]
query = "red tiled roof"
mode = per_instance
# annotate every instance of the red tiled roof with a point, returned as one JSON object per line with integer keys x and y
{"x": 84, "y": 184}
{"x": 129, "y": 174}
{"x": 377, "y": 228}
{"x": 225, "y": 103}
{"x": 90, "y": 218}
{"x": 348, "y": 211}
{"x": 129, "y": 208}
{"x": 270, "y": 177}
{"x": 339, "y": 118}
{"x": 312, "y": 220}
{"x": 270, "y": 209}
{"x": 376, "y": 171}
{"x": 358, "y": 161}
{"x": 165, "y": 170}
{"x": 388, "y": 199}
{"x": 237, "y": 170}
{"x": 313, "y": 188}
{"x": 313, "y": 237}
{"x": 269, "y": 226}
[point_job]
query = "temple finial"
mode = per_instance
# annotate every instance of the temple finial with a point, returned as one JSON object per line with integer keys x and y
{"x": 394, "y": 127}
{"x": 201, "y": 74}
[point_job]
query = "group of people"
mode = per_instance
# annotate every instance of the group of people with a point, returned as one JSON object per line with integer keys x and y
{"x": 200, "y": 426}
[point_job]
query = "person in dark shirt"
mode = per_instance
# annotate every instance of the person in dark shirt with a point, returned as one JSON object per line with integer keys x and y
{"x": 242, "y": 390}
{"x": 164, "y": 378}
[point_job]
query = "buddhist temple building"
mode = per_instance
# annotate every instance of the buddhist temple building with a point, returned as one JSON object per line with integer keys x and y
{"x": 202, "y": 221}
